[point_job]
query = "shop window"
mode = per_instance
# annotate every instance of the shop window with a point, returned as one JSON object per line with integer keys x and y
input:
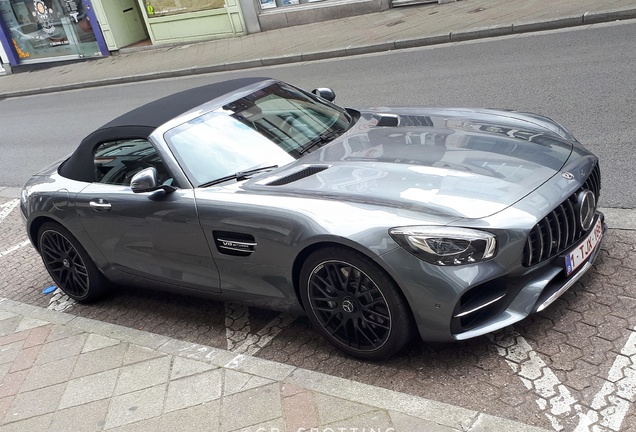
{"x": 49, "y": 28}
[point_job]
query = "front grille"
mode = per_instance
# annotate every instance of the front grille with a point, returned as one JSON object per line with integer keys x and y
{"x": 559, "y": 229}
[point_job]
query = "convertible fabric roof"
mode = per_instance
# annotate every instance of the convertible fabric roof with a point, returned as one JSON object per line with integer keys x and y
{"x": 141, "y": 122}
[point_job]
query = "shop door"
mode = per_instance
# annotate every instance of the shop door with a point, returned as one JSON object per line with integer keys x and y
{"x": 124, "y": 22}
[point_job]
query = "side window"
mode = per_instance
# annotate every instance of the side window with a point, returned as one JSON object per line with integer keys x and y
{"x": 117, "y": 162}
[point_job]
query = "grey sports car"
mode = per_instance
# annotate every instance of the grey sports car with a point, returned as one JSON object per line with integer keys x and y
{"x": 377, "y": 223}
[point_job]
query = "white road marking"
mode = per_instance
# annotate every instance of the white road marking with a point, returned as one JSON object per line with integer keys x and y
{"x": 237, "y": 324}
{"x": 7, "y": 208}
{"x": 240, "y": 338}
{"x": 60, "y": 302}
{"x": 610, "y": 405}
{"x": 15, "y": 248}
{"x": 617, "y": 395}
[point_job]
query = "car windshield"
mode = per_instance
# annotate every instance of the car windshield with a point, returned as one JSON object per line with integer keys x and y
{"x": 272, "y": 126}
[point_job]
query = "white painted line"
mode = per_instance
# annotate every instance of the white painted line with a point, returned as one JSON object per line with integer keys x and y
{"x": 15, "y": 248}
{"x": 617, "y": 395}
{"x": 240, "y": 338}
{"x": 535, "y": 375}
{"x": 255, "y": 342}
{"x": 60, "y": 302}
{"x": 7, "y": 208}
{"x": 610, "y": 404}
{"x": 237, "y": 324}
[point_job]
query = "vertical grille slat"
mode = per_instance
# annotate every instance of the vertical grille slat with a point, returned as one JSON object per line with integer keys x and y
{"x": 559, "y": 229}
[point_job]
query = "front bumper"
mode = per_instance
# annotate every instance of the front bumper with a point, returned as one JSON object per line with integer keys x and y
{"x": 458, "y": 303}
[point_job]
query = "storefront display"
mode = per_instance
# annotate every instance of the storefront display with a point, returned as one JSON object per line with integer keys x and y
{"x": 48, "y": 29}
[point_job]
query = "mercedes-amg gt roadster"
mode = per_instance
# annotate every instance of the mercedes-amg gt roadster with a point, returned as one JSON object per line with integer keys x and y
{"x": 378, "y": 223}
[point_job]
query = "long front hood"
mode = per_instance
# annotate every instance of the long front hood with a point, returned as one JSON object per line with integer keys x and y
{"x": 455, "y": 164}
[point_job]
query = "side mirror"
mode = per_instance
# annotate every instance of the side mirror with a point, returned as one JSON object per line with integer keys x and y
{"x": 146, "y": 181}
{"x": 325, "y": 93}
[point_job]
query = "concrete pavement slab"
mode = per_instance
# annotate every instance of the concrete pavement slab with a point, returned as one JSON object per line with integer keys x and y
{"x": 155, "y": 391}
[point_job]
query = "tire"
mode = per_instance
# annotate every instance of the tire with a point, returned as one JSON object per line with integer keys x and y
{"x": 354, "y": 304}
{"x": 68, "y": 263}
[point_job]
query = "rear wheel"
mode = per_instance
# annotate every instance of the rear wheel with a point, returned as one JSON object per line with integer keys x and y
{"x": 69, "y": 264}
{"x": 354, "y": 303}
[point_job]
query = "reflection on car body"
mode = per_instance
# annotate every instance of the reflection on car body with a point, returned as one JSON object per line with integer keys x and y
{"x": 378, "y": 223}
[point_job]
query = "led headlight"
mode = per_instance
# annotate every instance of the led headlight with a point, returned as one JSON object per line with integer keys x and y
{"x": 446, "y": 246}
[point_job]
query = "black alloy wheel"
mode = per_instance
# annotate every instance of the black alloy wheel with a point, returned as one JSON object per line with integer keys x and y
{"x": 354, "y": 304}
{"x": 68, "y": 264}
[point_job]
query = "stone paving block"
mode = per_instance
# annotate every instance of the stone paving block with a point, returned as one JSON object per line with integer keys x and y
{"x": 35, "y": 403}
{"x": 374, "y": 420}
{"x": 89, "y": 417}
{"x": 264, "y": 405}
{"x": 182, "y": 367}
{"x": 100, "y": 360}
{"x": 34, "y": 424}
{"x": 194, "y": 390}
{"x": 300, "y": 411}
{"x": 12, "y": 382}
{"x": 205, "y": 417}
{"x": 143, "y": 375}
{"x": 9, "y": 352}
{"x": 137, "y": 354}
{"x": 133, "y": 407}
{"x": 276, "y": 425}
{"x": 30, "y": 323}
{"x": 150, "y": 425}
{"x": 403, "y": 422}
{"x": 332, "y": 409}
{"x": 264, "y": 368}
{"x": 235, "y": 382}
{"x": 218, "y": 357}
{"x": 95, "y": 342}
{"x": 89, "y": 388}
{"x": 48, "y": 374}
{"x": 61, "y": 348}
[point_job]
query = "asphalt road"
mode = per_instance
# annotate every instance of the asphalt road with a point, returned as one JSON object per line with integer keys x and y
{"x": 570, "y": 365}
{"x": 585, "y": 78}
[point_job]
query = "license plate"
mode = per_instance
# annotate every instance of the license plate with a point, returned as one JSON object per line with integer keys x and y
{"x": 582, "y": 252}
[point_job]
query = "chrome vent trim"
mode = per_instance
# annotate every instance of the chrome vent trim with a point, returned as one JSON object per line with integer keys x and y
{"x": 234, "y": 243}
{"x": 559, "y": 230}
{"x": 306, "y": 172}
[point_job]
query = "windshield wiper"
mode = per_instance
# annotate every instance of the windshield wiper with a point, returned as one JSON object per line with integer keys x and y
{"x": 321, "y": 139}
{"x": 239, "y": 176}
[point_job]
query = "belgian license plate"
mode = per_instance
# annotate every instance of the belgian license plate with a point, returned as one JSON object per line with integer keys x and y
{"x": 582, "y": 252}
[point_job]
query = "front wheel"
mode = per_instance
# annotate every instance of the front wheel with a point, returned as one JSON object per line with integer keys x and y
{"x": 69, "y": 264}
{"x": 354, "y": 304}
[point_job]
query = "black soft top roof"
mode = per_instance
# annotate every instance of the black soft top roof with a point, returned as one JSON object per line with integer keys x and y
{"x": 141, "y": 122}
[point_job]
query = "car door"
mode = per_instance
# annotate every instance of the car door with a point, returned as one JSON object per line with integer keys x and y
{"x": 153, "y": 235}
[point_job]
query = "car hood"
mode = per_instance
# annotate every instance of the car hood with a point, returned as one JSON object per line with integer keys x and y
{"x": 451, "y": 163}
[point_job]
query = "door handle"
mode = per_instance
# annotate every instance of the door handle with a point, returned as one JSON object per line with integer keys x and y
{"x": 99, "y": 205}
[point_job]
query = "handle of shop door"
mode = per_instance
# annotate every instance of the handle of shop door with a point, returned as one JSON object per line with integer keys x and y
{"x": 99, "y": 205}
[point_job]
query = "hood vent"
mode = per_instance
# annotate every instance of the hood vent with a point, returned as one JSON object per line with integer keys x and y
{"x": 306, "y": 172}
{"x": 393, "y": 120}
{"x": 410, "y": 120}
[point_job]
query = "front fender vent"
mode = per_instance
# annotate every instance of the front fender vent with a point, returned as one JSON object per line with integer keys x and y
{"x": 298, "y": 175}
{"x": 234, "y": 243}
